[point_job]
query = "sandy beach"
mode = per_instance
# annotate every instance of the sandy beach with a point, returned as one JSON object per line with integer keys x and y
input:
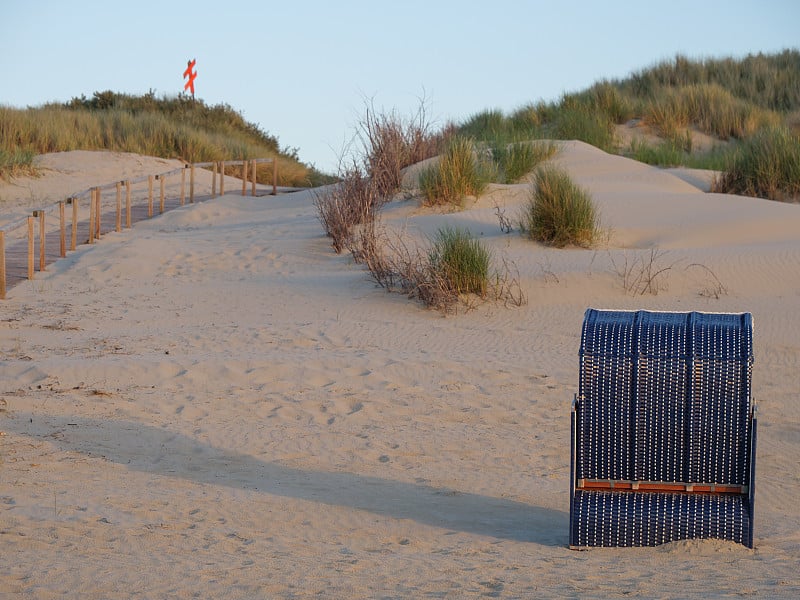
{"x": 214, "y": 404}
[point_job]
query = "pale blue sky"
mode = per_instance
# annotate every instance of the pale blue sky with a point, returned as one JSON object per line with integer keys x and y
{"x": 303, "y": 70}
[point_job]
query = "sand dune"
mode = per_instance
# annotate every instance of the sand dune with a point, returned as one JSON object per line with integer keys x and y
{"x": 214, "y": 403}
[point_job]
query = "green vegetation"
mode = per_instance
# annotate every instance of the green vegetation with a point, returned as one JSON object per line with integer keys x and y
{"x": 460, "y": 260}
{"x": 16, "y": 161}
{"x": 459, "y": 172}
{"x": 709, "y": 107}
{"x": 559, "y": 212}
{"x": 767, "y": 81}
{"x": 583, "y": 123}
{"x": 455, "y": 269}
{"x": 516, "y": 159}
{"x": 169, "y": 127}
{"x": 729, "y": 99}
{"x": 766, "y": 165}
{"x": 678, "y": 152}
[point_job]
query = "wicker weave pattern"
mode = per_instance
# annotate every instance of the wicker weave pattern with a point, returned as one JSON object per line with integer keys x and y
{"x": 627, "y": 519}
{"x": 663, "y": 397}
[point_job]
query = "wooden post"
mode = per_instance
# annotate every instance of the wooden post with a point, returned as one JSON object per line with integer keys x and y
{"x": 2, "y": 265}
{"x": 149, "y": 195}
{"x": 127, "y": 203}
{"x": 42, "y": 244}
{"x": 30, "y": 247}
{"x": 222, "y": 178}
{"x": 214, "y": 181}
{"x": 118, "y": 227}
{"x": 275, "y": 176}
{"x": 244, "y": 177}
{"x": 63, "y": 228}
{"x": 161, "y": 201}
{"x": 191, "y": 184}
{"x": 91, "y": 217}
{"x": 255, "y": 172}
{"x": 74, "y": 240}
{"x": 183, "y": 185}
{"x": 97, "y": 211}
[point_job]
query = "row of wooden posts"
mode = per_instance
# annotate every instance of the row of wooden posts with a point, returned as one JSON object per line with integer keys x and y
{"x": 248, "y": 176}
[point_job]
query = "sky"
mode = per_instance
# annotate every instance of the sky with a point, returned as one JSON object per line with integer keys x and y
{"x": 305, "y": 71}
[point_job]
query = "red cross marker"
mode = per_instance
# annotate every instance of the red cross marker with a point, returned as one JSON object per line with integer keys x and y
{"x": 191, "y": 75}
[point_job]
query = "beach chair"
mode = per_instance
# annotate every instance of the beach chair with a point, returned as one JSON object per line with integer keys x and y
{"x": 663, "y": 429}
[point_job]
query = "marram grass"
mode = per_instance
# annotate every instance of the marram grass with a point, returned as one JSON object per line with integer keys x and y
{"x": 461, "y": 260}
{"x": 458, "y": 173}
{"x": 169, "y": 128}
{"x": 559, "y": 212}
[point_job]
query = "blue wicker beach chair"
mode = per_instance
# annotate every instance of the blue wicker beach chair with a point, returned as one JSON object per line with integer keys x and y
{"x": 663, "y": 429}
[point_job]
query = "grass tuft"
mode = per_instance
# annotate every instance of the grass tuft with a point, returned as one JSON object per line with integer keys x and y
{"x": 458, "y": 173}
{"x": 16, "y": 162}
{"x": 516, "y": 160}
{"x": 587, "y": 125}
{"x": 558, "y": 212}
{"x": 460, "y": 260}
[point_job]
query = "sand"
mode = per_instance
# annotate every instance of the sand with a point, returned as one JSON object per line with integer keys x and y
{"x": 214, "y": 404}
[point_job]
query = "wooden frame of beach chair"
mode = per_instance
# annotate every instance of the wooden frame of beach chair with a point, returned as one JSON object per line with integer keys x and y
{"x": 663, "y": 429}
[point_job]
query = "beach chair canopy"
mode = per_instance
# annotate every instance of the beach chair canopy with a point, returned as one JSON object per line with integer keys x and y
{"x": 663, "y": 429}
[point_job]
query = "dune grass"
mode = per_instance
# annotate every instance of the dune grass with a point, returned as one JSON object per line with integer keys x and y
{"x": 767, "y": 165}
{"x": 485, "y": 125}
{"x": 709, "y": 107}
{"x": 461, "y": 260}
{"x": 769, "y": 81}
{"x": 169, "y": 127}
{"x": 678, "y": 153}
{"x": 516, "y": 159}
{"x": 510, "y": 141}
{"x": 584, "y": 124}
{"x": 459, "y": 172}
{"x": 739, "y": 100}
{"x": 16, "y": 162}
{"x": 559, "y": 212}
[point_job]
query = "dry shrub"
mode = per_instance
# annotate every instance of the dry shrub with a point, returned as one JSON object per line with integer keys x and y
{"x": 350, "y": 214}
{"x": 391, "y": 143}
{"x": 648, "y": 272}
{"x": 343, "y": 206}
{"x": 367, "y": 246}
{"x": 710, "y": 284}
{"x": 644, "y": 273}
{"x": 399, "y": 266}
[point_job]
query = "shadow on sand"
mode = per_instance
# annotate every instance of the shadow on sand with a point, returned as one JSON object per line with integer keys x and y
{"x": 162, "y": 452}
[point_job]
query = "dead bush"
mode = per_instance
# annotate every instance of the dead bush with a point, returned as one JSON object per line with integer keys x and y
{"x": 390, "y": 143}
{"x": 400, "y": 266}
{"x": 343, "y": 206}
{"x": 644, "y": 273}
{"x": 709, "y": 284}
{"x": 647, "y": 273}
